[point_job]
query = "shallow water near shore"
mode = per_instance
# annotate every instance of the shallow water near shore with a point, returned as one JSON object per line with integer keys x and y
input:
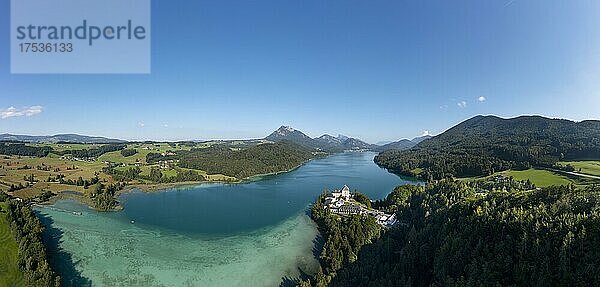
{"x": 249, "y": 234}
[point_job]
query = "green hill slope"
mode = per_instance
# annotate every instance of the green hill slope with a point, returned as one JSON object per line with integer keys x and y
{"x": 486, "y": 144}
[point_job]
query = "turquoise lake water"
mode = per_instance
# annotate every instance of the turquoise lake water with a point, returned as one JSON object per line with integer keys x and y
{"x": 250, "y": 234}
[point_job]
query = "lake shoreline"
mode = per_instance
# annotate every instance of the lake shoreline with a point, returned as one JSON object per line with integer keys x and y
{"x": 157, "y": 187}
{"x": 260, "y": 230}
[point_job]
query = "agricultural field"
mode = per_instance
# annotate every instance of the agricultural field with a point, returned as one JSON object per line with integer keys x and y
{"x": 541, "y": 178}
{"x": 115, "y": 156}
{"x": 10, "y": 275}
{"x": 18, "y": 170}
{"x": 171, "y": 172}
{"x": 585, "y": 167}
{"x": 142, "y": 151}
{"x": 13, "y": 169}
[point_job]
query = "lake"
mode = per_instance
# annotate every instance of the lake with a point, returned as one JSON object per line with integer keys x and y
{"x": 249, "y": 234}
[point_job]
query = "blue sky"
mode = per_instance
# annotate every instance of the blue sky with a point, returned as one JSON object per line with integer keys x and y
{"x": 377, "y": 70}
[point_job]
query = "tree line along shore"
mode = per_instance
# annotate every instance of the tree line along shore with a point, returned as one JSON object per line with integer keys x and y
{"x": 96, "y": 173}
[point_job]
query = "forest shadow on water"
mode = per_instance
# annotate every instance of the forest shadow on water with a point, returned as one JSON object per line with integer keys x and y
{"x": 60, "y": 260}
{"x": 287, "y": 281}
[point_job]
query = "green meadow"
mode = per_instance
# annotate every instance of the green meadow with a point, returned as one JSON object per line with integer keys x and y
{"x": 10, "y": 275}
{"x": 14, "y": 168}
{"x": 539, "y": 177}
{"x": 585, "y": 167}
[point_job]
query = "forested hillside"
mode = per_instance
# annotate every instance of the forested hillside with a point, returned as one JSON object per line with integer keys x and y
{"x": 260, "y": 159}
{"x": 484, "y": 145}
{"x": 457, "y": 234}
{"x": 96, "y": 151}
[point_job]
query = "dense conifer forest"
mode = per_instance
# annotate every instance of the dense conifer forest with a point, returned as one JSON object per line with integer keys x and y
{"x": 241, "y": 163}
{"x": 95, "y": 152}
{"x": 343, "y": 238}
{"x": 23, "y": 150}
{"x": 483, "y": 145}
{"x": 488, "y": 233}
{"x": 27, "y": 231}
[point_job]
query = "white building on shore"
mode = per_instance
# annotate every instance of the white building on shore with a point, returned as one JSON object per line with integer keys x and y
{"x": 343, "y": 193}
{"x": 340, "y": 202}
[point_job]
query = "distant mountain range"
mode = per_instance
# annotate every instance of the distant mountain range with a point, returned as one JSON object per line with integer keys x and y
{"x": 331, "y": 143}
{"x": 72, "y": 138}
{"x": 325, "y": 142}
{"x": 403, "y": 144}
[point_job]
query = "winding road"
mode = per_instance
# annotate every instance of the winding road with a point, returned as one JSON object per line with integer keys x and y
{"x": 574, "y": 173}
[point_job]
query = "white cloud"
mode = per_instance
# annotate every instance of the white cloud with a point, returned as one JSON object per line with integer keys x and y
{"x": 462, "y": 104}
{"x": 165, "y": 125}
{"x": 141, "y": 124}
{"x": 443, "y": 107}
{"x": 426, "y": 133}
{"x": 22, "y": 112}
{"x": 481, "y": 99}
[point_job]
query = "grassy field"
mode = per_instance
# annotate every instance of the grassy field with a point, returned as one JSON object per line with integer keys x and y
{"x": 13, "y": 169}
{"x": 540, "y": 178}
{"x": 173, "y": 172}
{"x": 585, "y": 167}
{"x": 12, "y": 172}
{"x": 116, "y": 156}
{"x": 417, "y": 171}
{"x": 10, "y": 275}
{"x": 142, "y": 151}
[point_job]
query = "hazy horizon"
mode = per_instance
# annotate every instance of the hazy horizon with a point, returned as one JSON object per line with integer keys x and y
{"x": 307, "y": 132}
